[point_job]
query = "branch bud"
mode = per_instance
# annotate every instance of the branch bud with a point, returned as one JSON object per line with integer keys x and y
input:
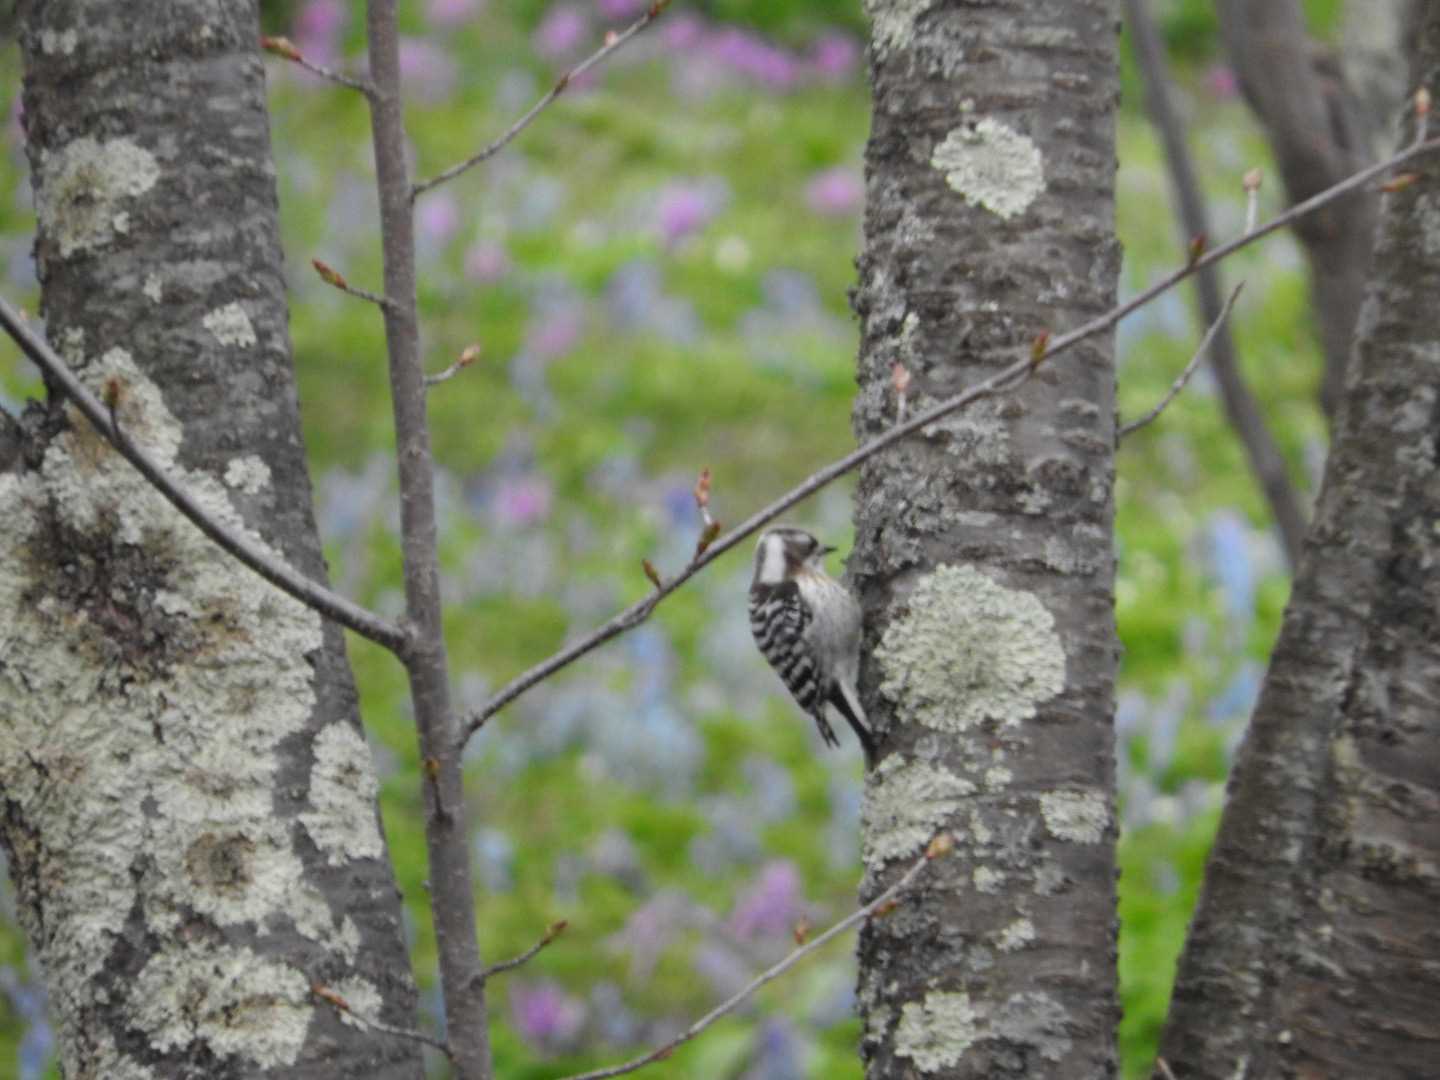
{"x": 701, "y": 490}
{"x": 1198, "y": 243}
{"x": 942, "y": 845}
{"x": 329, "y": 274}
{"x": 281, "y": 46}
{"x": 707, "y": 538}
{"x": 1252, "y": 179}
{"x": 651, "y": 572}
{"x": 1038, "y": 347}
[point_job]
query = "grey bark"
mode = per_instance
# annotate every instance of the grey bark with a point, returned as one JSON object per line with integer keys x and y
{"x": 188, "y": 801}
{"x": 1241, "y": 409}
{"x": 983, "y": 553}
{"x": 1318, "y": 133}
{"x": 1313, "y": 951}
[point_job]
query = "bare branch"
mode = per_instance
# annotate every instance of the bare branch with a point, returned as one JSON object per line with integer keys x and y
{"x": 1190, "y": 368}
{"x": 936, "y": 849}
{"x": 331, "y": 276}
{"x": 331, "y": 996}
{"x": 467, "y": 356}
{"x": 285, "y": 49}
{"x": 268, "y": 564}
{"x": 1007, "y": 378}
{"x": 1242, "y": 411}
{"x": 556, "y": 929}
{"x": 613, "y": 41}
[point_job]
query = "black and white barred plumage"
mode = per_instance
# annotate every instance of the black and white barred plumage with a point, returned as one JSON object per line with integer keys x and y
{"x": 808, "y": 626}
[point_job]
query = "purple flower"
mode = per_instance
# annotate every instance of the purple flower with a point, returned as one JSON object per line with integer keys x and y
{"x": 452, "y": 12}
{"x": 560, "y": 31}
{"x": 522, "y": 500}
{"x": 682, "y": 30}
{"x": 436, "y": 219}
{"x": 486, "y": 262}
{"x": 835, "y": 192}
{"x": 683, "y": 209}
{"x": 318, "y": 27}
{"x": 753, "y": 56}
{"x": 621, "y": 9}
{"x": 546, "y": 1016}
{"x": 834, "y": 55}
{"x": 772, "y": 904}
{"x": 554, "y": 333}
{"x": 428, "y": 68}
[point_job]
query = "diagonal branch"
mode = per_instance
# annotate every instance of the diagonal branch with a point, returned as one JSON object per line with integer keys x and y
{"x": 613, "y": 41}
{"x": 939, "y": 846}
{"x": 1243, "y": 412}
{"x": 1190, "y": 368}
{"x": 555, "y": 930}
{"x": 268, "y": 564}
{"x": 1006, "y": 379}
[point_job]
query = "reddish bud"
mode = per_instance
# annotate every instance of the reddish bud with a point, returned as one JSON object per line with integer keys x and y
{"x": 326, "y": 994}
{"x": 556, "y": 929}
{"x": 801, "y": 931}
{"x": 943, "y": 844}
{"x": 562, "y": 82}
{"x": 1038, "y": 346}
{"x": 702, "y": 489}
{"x": 899, "y": 377}
{"x": 1198, "y": 244}
{"x": 280, "y": 46}
{"x": 1251, "y": 179}
{"x": 1400, "y": 182}
{"x": 651, "y": 572}
{"x": 707, "y": 538}
{"x": 468, "y": 356}
{"x": 610, "y": 38}
{"x": 113, "y": 393}
{"x": 329, "y": 274}
{"x": 884, "y": 909}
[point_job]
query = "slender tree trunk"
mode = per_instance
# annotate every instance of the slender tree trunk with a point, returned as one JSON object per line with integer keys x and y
{"x": 1314, "y": 951}
{"x": 983, "y": 553}
{"x": 188, "y": 800}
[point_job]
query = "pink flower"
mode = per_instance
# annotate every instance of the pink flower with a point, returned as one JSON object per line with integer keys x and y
{"x": 752, "y": 55}
{"x": 622, "y": 9}
{"x": 545, "y": 1015}
{"x": 437, "y": 217}
{"x": 835, "y": 192}
{"x": 522, "y": 500}
{"x": 835, "y": 56}
{"x": 683, "y": 30}
{"x": 486, "y": 262}
{"x": 555, "y": 335}
{"x": 682, "y": 209}
{"x": 560, "y": 32}
{"x": 452, "y": 12}
{"x": 319, "y": 26}
{"x": 427, "y": 68}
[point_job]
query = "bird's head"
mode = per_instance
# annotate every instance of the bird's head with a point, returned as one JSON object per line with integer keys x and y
{"x": 784, "y": 551}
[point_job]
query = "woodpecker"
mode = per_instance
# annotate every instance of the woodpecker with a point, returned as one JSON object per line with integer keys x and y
{"x": 808, "y": 626}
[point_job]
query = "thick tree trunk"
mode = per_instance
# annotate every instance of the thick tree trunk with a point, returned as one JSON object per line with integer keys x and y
{"x": 188, "y": 799}
{"x": 983, "y": 553}
{"x": 1314, "y": 951}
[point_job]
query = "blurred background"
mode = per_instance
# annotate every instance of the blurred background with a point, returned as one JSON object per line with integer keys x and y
{"x": 656, "y": 272}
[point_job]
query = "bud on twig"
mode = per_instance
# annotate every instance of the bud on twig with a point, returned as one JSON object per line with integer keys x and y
{"x": 281, "y": 46}
{"x": 1198, "y": 243}
{"x": 900, "y": 380}
{"x": 1399, "y": 183}
{"x": 329, "y": 274}
{"x": 1038, "y": 347}
{"x": 1251, "y": 182}
{"x": 651, "y": 572}
{"x": 707, "y": 537}
{"x": 943, "y": 844}
{"x": 801, "y": 931}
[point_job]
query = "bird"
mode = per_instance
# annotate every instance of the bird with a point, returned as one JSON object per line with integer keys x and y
{"x": 807, "y": 625}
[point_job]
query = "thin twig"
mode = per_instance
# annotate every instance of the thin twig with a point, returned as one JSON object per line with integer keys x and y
{"x": 286, "y": 50}
{"x": 1190, "y": 368}
{"x": 268, "y": 564}
{"x": 1006, "y": 379}
{"x": 793, "y": 958}
{"x": 468, "y": 356}
{"x": 329, "y": 995}
{"x": 613, "y": 41}
{"x": 556, "y": 929}
{"x": 334, "y": 278}
{"x": 1164, "y": 1067}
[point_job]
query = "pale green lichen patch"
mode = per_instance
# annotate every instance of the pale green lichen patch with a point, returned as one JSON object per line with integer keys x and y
{"x": 992, "y": 166}
{"x": 905, "y": 806}
{"x": 152, "y": 679}
{"x": 343, "y": 791}
{"x": 1080, "y": 817}
{"x": 1015, "y": 936}
{"x": 969, "y": 650}
{"x": 936, "y": 1033}
{"x": 83, "y": 190}
{"x": 153, "y": 288}
{"x": 231, "y": 326}
{"x": 234, "y": 1003}
{"x": 58, "y": 42}
{"x": 892, "y": 22}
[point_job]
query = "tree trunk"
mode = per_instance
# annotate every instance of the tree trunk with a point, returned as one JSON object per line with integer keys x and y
{"x": 1313, "y": 952}
{"x": 983, "y": 552}
{"x": 188, "y": 799}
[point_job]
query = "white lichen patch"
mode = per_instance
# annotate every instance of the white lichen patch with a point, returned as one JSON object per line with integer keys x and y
{"x": 231, "y": 326}
{"x": 987, "y": 879}
{"x": 1015, "y": 936}
{"x": 970, "y": 650}
{"x": 83, "y": 186}
{"x": 905, "y": 805}
{"x": 892, "y": 22}
{"x": 1078, "y": 816}
{"x": 235, "y": 1003}
{"x": 152, "y": 287}
{"x": 249, "y": 474}
{"x": 992, "y": 166}
{"x": 148, "y": 682}
{"x": 363, "y": 999}
{"x": 343, "y": 791}
{"x": 936, "y": 1033}
{"x": 58, "y": 42}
